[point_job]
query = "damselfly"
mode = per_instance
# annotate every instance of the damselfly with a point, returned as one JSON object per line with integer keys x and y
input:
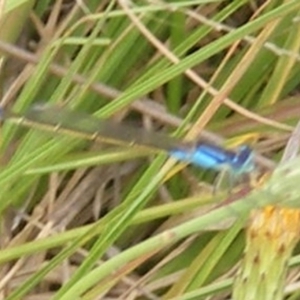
{"x": 202, "y": 154}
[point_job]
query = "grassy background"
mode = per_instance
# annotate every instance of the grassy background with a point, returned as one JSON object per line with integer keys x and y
{"x": 222, "y": 70}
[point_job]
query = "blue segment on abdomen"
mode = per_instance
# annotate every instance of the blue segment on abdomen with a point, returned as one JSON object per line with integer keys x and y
{"x": 213, "y": 157}
{"x": 204, "y": 155}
